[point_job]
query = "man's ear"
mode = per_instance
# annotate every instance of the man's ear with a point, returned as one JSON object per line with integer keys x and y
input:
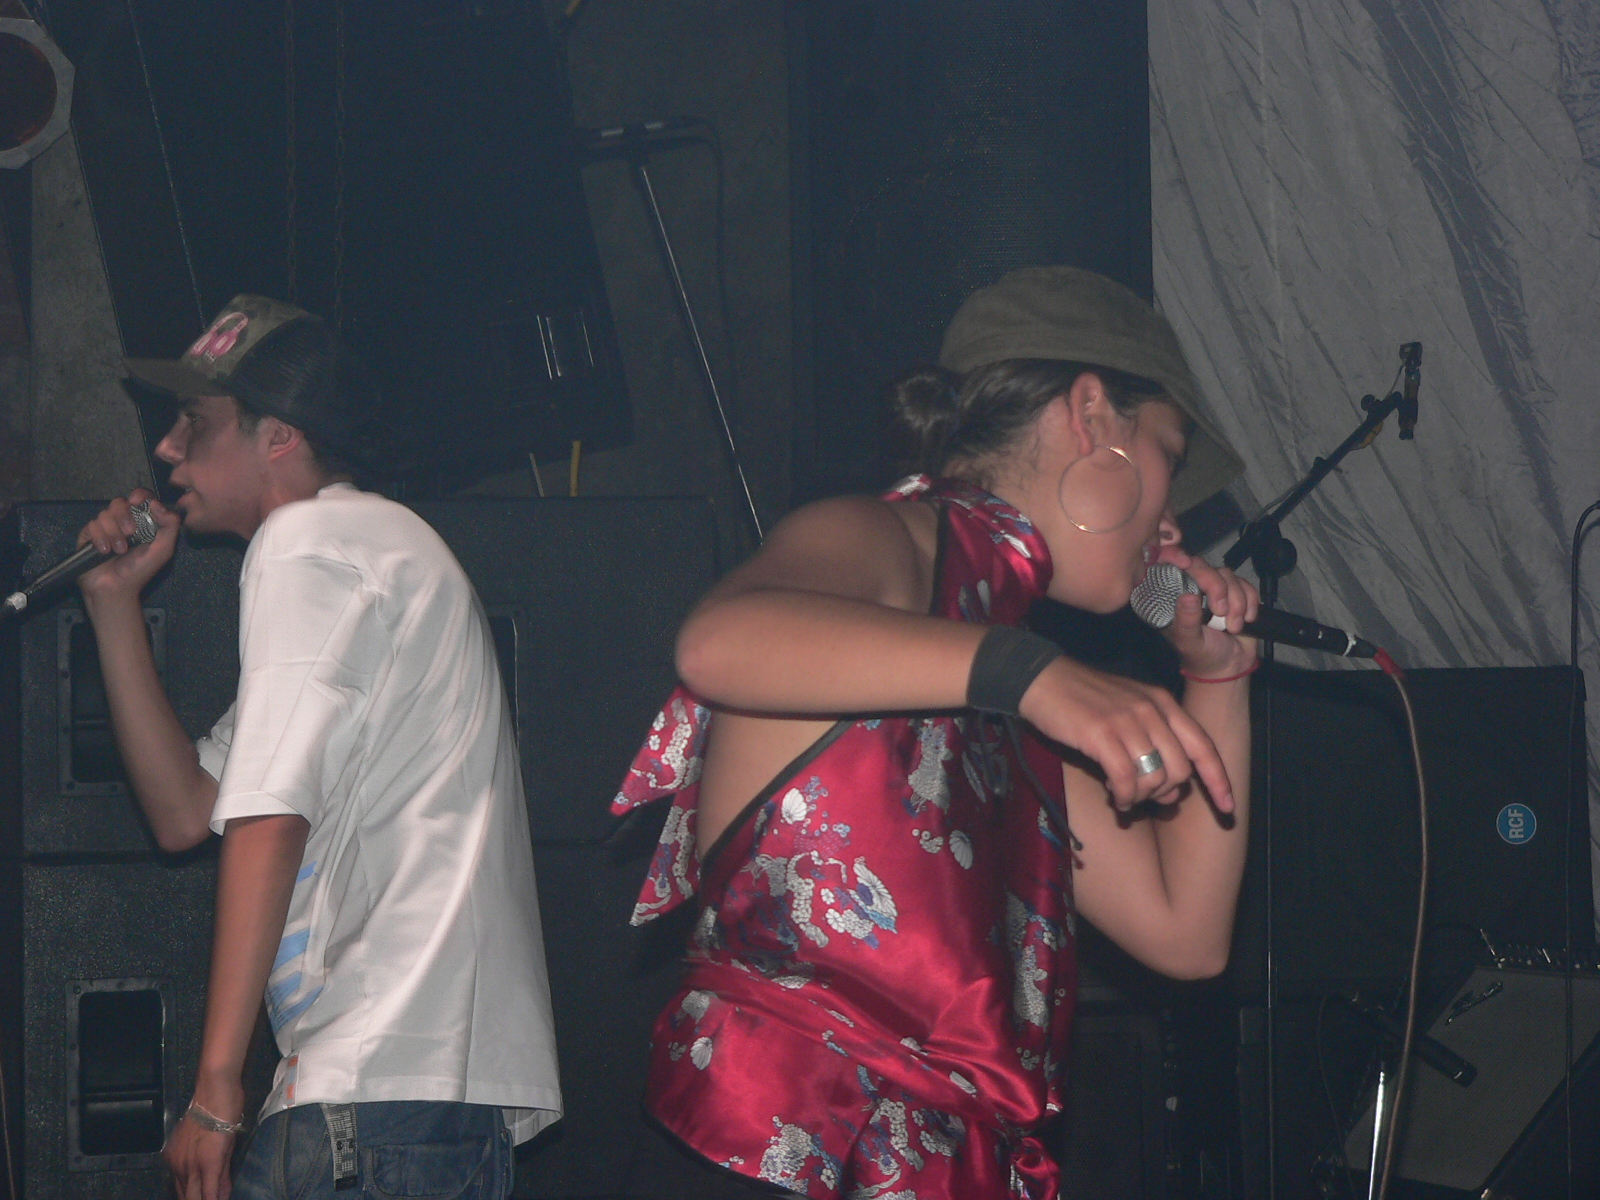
{"x": 282, "y": 438}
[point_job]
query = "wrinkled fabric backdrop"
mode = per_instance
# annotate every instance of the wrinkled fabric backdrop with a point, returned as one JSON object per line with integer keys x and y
{"x": 1331, "y": 178}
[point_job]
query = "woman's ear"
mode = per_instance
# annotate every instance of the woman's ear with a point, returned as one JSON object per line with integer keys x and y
{"x": 1090, "y": 417}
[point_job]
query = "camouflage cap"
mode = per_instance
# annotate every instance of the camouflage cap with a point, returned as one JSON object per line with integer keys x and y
{"x": 1072, "y": 315}
{"x": 207, "y": 367}
{"x": 281, "y": 360}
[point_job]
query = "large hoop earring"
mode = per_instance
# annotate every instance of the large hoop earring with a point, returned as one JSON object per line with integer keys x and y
{"x": 1084, "y": 484}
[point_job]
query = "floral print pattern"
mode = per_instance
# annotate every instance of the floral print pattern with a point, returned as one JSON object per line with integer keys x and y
{"x": 879, "y": 986}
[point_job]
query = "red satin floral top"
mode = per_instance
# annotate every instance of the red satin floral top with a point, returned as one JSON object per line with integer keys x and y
{"x": 880, "y": 986}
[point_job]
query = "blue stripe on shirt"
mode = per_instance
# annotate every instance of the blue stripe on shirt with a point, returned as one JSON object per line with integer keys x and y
{"x": 280, "y": 1019}
{"x": 291, "y": 948}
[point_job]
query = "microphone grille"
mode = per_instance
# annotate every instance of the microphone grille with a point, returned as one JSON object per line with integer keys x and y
{"x": 1155, "y": 599}
{"x": 144, "y": 525}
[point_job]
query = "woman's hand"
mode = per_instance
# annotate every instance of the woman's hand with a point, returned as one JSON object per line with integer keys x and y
{"x": 1205, "y": 652}
{"x": 1116, "y": 722}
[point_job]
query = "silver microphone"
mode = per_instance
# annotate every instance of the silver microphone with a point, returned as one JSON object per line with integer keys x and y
{"x": 1155, "y": 602}
{"x": 84, "y": 558}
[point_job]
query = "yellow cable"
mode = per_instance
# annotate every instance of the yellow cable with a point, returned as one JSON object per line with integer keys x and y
{"x": 572, "y": 470}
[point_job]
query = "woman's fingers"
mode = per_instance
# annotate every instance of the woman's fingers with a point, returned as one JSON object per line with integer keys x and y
{"x": 1252, "y": 600}
{"x": 1204, "y": 756}
{"x": 1238, "y": 608}
{"x": 1118, "y": 723}
{"x": 1226, "y": 595}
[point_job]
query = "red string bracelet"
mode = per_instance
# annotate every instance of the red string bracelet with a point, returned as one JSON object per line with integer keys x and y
{"x": 1250, "y": 670}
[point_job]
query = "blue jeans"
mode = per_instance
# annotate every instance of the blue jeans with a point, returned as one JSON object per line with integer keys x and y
{"x": 406, "y": 1150}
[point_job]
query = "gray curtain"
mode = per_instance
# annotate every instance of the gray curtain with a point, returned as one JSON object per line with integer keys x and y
{"x": 1331, "y": 178}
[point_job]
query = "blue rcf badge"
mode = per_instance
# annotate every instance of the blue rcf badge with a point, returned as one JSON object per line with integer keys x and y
{"x": 1516, "y": 824}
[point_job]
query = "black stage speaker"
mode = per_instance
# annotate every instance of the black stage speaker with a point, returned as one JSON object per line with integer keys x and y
{"x": 109, "y": 940}
{"x": 593, "y": 592}
{"x": 1118, "y": 1135}
{"x": 608, "y": 981}
{"x": 586, "y": 597}
{"x": 434, "y": 204}
{"x": 1504, "y": 1136}
{"x": 1508, "y": 817}
{"x": 63, "y": 790}
{"x": 108, "y": 1005}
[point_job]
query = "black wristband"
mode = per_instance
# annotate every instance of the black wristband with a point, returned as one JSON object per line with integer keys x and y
{"x": 1006, "y": 664}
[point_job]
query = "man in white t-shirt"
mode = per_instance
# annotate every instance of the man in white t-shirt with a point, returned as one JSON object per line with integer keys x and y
{"x": 376, "y": 875}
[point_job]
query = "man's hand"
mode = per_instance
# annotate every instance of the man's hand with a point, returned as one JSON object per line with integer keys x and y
{"x": 110, "y": 533}
{"x": 198, "y": 1158}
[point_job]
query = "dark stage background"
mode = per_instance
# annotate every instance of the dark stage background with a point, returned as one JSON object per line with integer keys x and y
{"x": 861, "y": 167}
{"x": 948, "y": 143}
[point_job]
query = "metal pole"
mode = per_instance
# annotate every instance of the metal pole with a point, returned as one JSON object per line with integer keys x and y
{"x": 1269, "y": 599}
{"x": 1377, "y": 1136}
{"x": 642, "y": 176}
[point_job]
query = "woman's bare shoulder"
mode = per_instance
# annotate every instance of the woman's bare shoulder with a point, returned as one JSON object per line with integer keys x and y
{"x": 851, "y": 545}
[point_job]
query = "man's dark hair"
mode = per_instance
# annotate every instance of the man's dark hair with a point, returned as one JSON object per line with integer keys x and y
{"x": 303, "y": 375}
{"x": 330, "y": 461}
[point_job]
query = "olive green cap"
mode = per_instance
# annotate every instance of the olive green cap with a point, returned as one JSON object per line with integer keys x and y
{"x": 1072, "y": 315}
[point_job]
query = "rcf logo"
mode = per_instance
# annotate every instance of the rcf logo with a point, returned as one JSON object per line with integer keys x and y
{"x": 1516, "y": 824}
{"x": 222, "y": 337}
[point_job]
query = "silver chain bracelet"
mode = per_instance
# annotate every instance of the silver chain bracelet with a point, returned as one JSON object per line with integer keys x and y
{"x": 212, "y": 1122}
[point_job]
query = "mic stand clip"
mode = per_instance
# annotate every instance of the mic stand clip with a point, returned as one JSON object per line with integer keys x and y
{"x": 1261, "y": 541}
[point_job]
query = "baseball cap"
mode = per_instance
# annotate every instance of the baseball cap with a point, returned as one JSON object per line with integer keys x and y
{"x": 283, "y": 361}
{"x": 1069, "y": 314}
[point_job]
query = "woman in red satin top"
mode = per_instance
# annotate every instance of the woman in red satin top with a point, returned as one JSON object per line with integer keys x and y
{"x": 892, "y": 815}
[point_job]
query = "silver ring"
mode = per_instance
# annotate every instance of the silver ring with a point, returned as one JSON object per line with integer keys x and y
{"x": 1149, "y": 764}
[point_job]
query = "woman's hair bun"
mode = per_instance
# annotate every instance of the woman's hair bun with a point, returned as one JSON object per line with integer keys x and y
{"x": 927, "y": 405}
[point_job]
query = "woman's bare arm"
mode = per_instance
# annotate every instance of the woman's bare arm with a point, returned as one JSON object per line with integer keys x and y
{"x": 1165, "y": 888}
{"x": 829, "y": 618}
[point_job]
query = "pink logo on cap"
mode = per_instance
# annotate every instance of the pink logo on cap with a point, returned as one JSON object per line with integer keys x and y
{"x": 222, "y": 337}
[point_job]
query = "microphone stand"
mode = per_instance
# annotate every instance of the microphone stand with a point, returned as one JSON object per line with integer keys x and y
{"x": 1273, "y": 556}
{"x": 634, "y": 145}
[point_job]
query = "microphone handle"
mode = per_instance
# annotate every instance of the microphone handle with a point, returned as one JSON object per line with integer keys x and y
{"x": 1429, "y": 1049}
{"x": 84, "y": 558}
{"x": 1274, "y": 625}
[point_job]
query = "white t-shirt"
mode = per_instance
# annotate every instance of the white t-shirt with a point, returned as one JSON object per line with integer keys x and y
{"x": 370, "y": 703}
